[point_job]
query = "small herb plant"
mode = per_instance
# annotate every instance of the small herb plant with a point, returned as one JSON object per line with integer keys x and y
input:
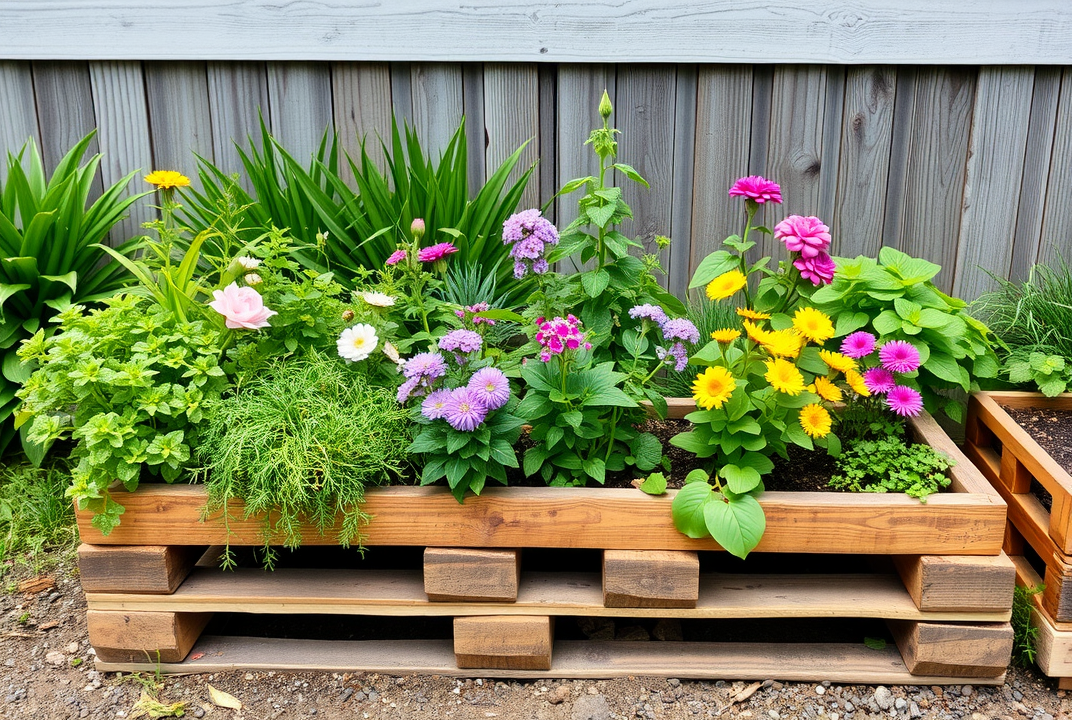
{"x": 889, "y": 465}
{"x": 1025, "y": 634}
{"x": 1051, "y": 374}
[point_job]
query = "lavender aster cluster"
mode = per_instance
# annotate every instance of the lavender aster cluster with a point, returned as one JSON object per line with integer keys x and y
{"x": 677, "y": 354}
{"x": 648, "y": 312}
{"x": 461, "y": 343}
{"x": 529, "y": 233}
{"x": 678, "y": 331}
{"x": 465, "y": 408}
{"x": 421, "y": 371}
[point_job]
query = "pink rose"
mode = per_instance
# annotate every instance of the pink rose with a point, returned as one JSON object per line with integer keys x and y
{"x": 241, "y": 306}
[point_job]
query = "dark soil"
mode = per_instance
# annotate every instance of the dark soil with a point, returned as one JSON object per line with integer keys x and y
{"x": 1052, "y": 429}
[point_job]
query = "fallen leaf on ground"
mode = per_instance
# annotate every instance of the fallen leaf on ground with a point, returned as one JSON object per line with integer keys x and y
{"x": 49, "y": 625}
{"x": 150, "y": 707}
{"x": 746, "y": 693}
{"x": 222, "y": 699}
{"x": 36, "y": 585}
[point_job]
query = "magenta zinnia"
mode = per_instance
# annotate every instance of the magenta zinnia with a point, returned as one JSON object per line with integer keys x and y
{"x": 904, "y": 401}
{"x": 490, "y": 387}
{"x": 857, "y": 345}
{"x": 436, "y": 252}
{"x": 879, "y": 381}
{"x": 463, "y": 410}
{"x": 818, "y": 270}
{"x": 757, "y": 188}
{"x": 396, "y": 257}
{"x": 805, "y": 235}
{"x": 899, "y": 356}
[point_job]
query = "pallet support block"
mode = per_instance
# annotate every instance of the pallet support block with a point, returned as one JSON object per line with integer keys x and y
{"x": 503, "y": 642}
{"x": 471, "y": 575}
{"x": 1057, "y": 596}
{"x": 650, "y": 578}
{"x": 958, "y": 583}
{"x": 150, "y": 569}
{"x": 954, "y": 650}
{"x": 144, "y": 636}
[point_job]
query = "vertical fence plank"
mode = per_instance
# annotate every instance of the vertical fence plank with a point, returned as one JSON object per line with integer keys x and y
{"x": 299, "y": 95}
{"x": 548, "y": 167}
{"x": 677, "y": 268}
{"x": 512, "y": 117}
{"x": 18, "y": 119}
{"x": 437, "y": 104}
{"x": 123, "y": 119}
{"x": 992, "y": 177}
{"x": 65, "y": 112}
{"x": 179, "y": 120}
{"x": 476, "y": 134}
{"x": 237, "y": 93}
{"x": 759, "y": 162}
{"x": 900, "y": 140}
{"x": 865, "y": 160}
{"x": 1057, "y": 222}
{"x": 362, "y": 108}
{"x": 830, "y": 156}
{"x": 796, "y": 136}
{"x": 724, "y": 118}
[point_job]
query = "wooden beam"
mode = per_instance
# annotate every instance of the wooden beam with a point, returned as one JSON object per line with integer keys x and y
{"x": 135, "y": 569}
{"x": 948, "y": 649}
{"x": 503, "y": 642}
{"x": 958, "y": 583}
{"x": 1054, "y": 645}
{"x": 474, "y": 575}
{"x": 144, "y": 636}
{"x": 650, "y": 578}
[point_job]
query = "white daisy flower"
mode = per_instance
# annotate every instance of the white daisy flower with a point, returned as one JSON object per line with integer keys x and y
{"x": 357, "y": 342}
{"x": 249, "y": 263}
{"x": 377, "y": 299}
{"x": 252, "y": 279}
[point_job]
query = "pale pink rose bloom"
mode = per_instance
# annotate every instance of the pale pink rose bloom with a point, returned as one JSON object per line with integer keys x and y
{"x": 242, "y": 307}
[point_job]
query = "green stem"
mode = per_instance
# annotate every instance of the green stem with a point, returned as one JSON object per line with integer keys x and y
{"x": 751, "y": 207}
{"x": 600, "y": 232}
{"x": 613, "y": 430}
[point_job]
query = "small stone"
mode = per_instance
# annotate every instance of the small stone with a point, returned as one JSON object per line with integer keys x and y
{"x": 55, "y": 657}
{"x": 592, "y": 690}
{"x": 883, "y": 697}
{"x": 937, "y": 690}
{"x": 820, "y": 690}
{"x": 374, "y": 696}
{"x": 72, "y": 648}
{"x": 673, "y": 682}
{"x": 1017, "y": 695}
{"x": 777, "y": 685}
{"x": 774, "y": 715}
{"x": 826, "y": 683}
{"x": 914, "y": 711}
{"x": 199, "y": 712}
{"x": 10, "y": 662}
{"x": 900, "y": 703}
{"x": 767, "y": 683}
{"x": 312, "y": 711}
{"x": 360, "y": 696}
{"x": 345, "y": 694}
{"x": 966, "y": 690}
{"x": 559, "y": 695}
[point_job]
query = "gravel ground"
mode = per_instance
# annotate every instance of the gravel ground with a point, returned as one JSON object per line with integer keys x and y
{"x": 46, "y": 672}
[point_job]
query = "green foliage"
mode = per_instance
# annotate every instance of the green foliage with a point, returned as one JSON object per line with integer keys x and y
{"x": 889, "y": 465}
{"x": 300, "y": 442}
{"x": 895, "y": 299}
{"x": 34, "y": 514}
{"x": 707, "y": 316}
{"x": 736, "y": 521}
{"x": 49, "y": 235}
{"x": 654, "y": 484}
{"x": 129, "y": 383}
{"x": 1025, "y": 634}
{"x": 1051, "y": 374}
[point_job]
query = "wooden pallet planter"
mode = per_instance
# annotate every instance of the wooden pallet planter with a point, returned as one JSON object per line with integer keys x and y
{"x": 950, "y": 580}
{"x": 1054, "y": 646}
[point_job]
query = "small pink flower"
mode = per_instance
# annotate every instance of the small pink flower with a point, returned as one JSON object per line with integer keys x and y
{"x": 904, "y": 401}
{"x": 396, "y": 257}
{"x": 899, "y": 356}
{"x": 242, "y": 307}
{"x": 805, "y": 235}
{"x": 879, "y": 380}
{"x": 819, "y": 270}
{"x": 859, "y": 344}
{"x": 757, "y": 188}
{"x": 436, "y": 252}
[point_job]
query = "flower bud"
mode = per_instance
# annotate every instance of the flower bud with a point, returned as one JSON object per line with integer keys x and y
{"x": 252, "y": 279}
{"x": 605, "y": 108}
{"x": 417, "y": 228}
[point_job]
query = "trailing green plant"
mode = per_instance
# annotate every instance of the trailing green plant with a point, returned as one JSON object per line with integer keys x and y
{"x": 1024, "y": 633}
{"x": 891, "y": 465}
{"x": 34, "y": 515}
{"x": 51, "y": 259}
{"x": 301, "y": 441}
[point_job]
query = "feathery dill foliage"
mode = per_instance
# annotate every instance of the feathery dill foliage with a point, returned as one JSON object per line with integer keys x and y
{"x": 707, "y": 316}
{"x": 300, "y": 443}
{"x": 1033, "y": 315}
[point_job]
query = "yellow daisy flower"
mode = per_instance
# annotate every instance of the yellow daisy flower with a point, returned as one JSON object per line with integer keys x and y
{"x": 752, "y": 314}
{"x": 713, "y": 387}
{"x": 815, "y": 420}
{"x": 755, "y": 333}
{"x": 813, "y": 324}
{"x": 726, "y": 284}
{"x": 837, "y": 361}
{"x": 784, "y": 376}
{"x": 783, "y": 343}
{"x": 856, "y": 382}
{"x": 167, "y": 179}
{"x": 726, "y": 336}
{"x": 828, "y": 390}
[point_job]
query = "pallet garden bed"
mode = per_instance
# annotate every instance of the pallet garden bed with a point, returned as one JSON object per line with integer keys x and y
{"x": 946, "y": 594}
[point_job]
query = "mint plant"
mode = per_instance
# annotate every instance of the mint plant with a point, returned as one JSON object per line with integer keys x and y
{"x": 1050, "y": 373}
{"x": 890, "y": 465}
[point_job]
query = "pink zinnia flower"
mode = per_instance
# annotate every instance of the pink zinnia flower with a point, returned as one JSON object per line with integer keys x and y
{"x": 396, "y": 257}
{"x": 819, "y": 270}
{"x": 436, "y": 252}
{"x": 904, "y": 401}
{"x": 899, "y": 356}
{"x": 879, "y": 380}
{"x": 805, "y": 235}
{"x": 757, "y": 188}
{"x": 242, "y": 307}
{"x": 859, "y": 344}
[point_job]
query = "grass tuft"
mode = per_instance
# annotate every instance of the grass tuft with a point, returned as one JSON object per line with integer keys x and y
{"x": 35, "y": 515}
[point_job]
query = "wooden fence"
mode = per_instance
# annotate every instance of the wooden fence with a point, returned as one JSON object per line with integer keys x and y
{"x": 969, "y": 166}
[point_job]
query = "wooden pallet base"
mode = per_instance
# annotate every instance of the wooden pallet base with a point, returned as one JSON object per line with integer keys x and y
{"x": 1054, "y": 649}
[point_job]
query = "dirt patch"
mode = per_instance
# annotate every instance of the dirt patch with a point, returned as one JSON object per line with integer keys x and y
{"x": 1051, "y": 429}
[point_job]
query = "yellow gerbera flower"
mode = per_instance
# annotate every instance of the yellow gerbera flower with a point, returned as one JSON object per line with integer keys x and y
{"x": 828, "y": 390}
{"x": 713, "y": 387}
{"x": 726, "y": 284}
{"x": 726, "y": 336}
{"x": 813, "y": 324}
{"x": 784, "y": 376}
{"x": 815, "y": 420}
{"x": 856, "y": 382}
{"x": 837, "y": 361}
{"x": 167, "y": 179}
{"x": 783, "y": 343}
{"x": 752, "y": 314}
{"x": 755, "y": 333}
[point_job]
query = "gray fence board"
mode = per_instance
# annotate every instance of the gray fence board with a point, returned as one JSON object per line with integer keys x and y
{"x": 299, "y": 113}
{"x": 677, "y": 268}
{"x": 476, "y": 134}
{"x": 64, "y": 111}
{"x": 437, "y": 103}
{"x": 237, "y": 96}
{"x": 180, "y": 124}
{"x": 512, "y": 117}
{"x": 362, "y": 105}
{"x": 1057, "y": 223}
{"x": 18, "y": 118}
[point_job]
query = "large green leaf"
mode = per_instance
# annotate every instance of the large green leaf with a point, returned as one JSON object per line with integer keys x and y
{"x": 737, "y": 524}
{"x": 687, "y": 509}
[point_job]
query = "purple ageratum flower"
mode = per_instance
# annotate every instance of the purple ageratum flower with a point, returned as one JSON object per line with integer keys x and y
{"x": 396, "y": 257}
{"x": 464, "y": 341}
{"x": 529, "y": 233}
{"x": 899, "y": 356}
{"x": 904, "y": 401}
{"x": 407, "y": 389}
{"x": 433, "y": 405}
{"x": 491, "y": 387}
{"x": 857, "y": 345}
{"x": 676, "y": 355}
{"x": 436, "y": 252}
{"x": 520, "y": 269}
{"x": 805, "y": 235}
{"x": 463, "y": 410}
{"x": 879, "y": 380}
{"x": 681, "y": 329}
{"x": 755, "y": 187}
{"x": 648, "y": 312}
{"x": 427, "y": 365}
{"x": 540, "y": 266}
{"x": 819, "y": 270}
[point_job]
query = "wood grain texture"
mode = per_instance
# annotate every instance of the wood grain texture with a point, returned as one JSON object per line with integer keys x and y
{"x": 1057, "y": 597}
{"x": 18, "y": 114}
{"x": 650, "y": 578}
{"x": 678, "y": 268}
{"x": 964, "y": 475}
{"x": 993, "y": 176}
{"x": 1057, "y": 221}
{"x": 123, "y": 133}
{"x": 511, "y": 118}
{"x": 471, "y": 574}
{"x": 503, "y": 642}
{"x": 548, "y": 167}
{"x": 237, "y": 96}
{"x": 436, "y": 92}
{"x": 156, "y": 569}
{"x": 476, "y": 136}
{"x": 361, "y": 102}
{"x": 947, "y": 649}
{"x": 144, "y": 637}
{"x": 958, "y": 583}
{"x": 299, "y": 101}
{"x": 866, "y": 31}
{"x": 180, "y": 122}
{"x": 64, "y": 99}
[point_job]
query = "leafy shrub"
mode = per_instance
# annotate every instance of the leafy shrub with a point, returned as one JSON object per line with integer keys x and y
{"x": 889, "y": 465}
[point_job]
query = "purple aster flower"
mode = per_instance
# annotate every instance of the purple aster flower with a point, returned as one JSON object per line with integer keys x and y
{"x": 491, "y": 387}
{"x": 859, "y": 344}
{"x": 648, "y": 312}
{"x": 879, "y": 380}
{"x": 436, "y": 252}
{"x": 406, "y": 389}
{"x": 396, "y": 257}
{"x": 463, "y": 410}
{"x": 529, "y": 234}
{"x": 465, "y": 341}
{"x": 899, "y": 356}
{"x": 676, "y": 355}
{"x": 427, "y": 365}
{"x": 540, "y": 266}
{"x": 680, "y": 329}
{"x": 904, "y": 401}
{"x": 433, "y": 405}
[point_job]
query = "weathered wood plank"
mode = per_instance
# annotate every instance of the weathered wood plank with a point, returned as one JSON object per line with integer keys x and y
{"x": 158, "y": 569}
{"x": 992, "y": 177}
{"x": 548, "y": 167}
{"x": 1057, "y": 221}
{"x": 954, "y": 583}
{"x": 471, "y": 574}
{"x": 180, "y": 122}
{"x": 503, "y": 642}
{"x": 237, "y": 96}
{"x": 164, "y": 637}
{"x": 864, "y": 32}
{"x": 65, "y": 112}
{"x": 299, "y": 100}
{"x": 361, "y": 96}
{"x": 677, "y": 268}
{"x": 18, "y": 116}
{"x": 437, "y": 104}
{"x": 476, "y": 136}
{"x": 650, "y": 578}
{"x": 947, "y": 649}
{"x": 511, "y": 118}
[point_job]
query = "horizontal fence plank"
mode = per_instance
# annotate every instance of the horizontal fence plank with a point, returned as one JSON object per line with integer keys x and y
{"x": 862, "y": 31}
